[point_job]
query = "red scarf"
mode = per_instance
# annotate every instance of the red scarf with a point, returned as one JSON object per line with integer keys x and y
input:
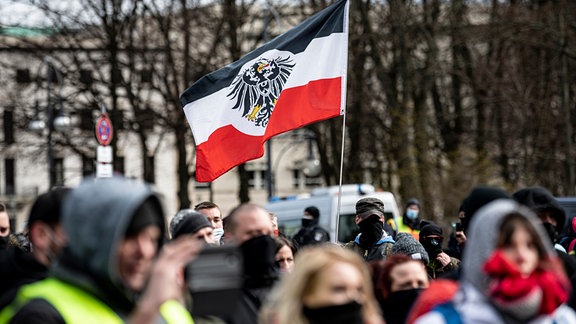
{"x": 510, "y": 285}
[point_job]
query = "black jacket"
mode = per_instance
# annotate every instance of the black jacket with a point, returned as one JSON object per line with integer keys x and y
{"x": 17, "y": 268}
{"x": 310, "y": 235}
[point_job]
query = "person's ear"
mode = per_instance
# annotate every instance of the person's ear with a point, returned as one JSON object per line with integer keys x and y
{"x": 40, "y": 235}
{"x": 357, "y": 219}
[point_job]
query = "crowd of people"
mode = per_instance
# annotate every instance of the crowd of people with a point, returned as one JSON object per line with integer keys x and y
{"x": 102, "y": 252}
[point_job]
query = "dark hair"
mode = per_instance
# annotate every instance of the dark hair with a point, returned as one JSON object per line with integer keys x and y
{"x": 282, "y": 241}
{"x": 2, "y": 207}
{"x": 381, "y": 270}
{"x": 510, "y": 224}
{"x": 205, "y": 205}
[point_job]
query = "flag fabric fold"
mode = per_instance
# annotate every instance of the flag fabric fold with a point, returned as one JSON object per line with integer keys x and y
{"x": 296, "y": 79}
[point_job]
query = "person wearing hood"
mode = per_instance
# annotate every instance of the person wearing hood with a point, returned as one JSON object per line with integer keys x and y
{"x": 431, "y": 238}
{"x": 543, "y": 203}
{"x": 511, "y": 274}
{"x": 373, "y": 242}
{"x": 311, "y": 232}
{"x": 114, "y": 268}
{"x": 411, "y": 217}
{"x": 552, "y": 218}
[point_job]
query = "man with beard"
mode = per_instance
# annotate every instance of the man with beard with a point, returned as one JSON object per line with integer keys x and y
{"x": 373, "y": 243}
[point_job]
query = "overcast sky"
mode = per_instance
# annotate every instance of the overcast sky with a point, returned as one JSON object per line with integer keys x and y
{"x": 15, "y": 13}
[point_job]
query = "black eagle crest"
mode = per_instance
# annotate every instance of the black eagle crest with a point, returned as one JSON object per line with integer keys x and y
{"x": 257, "y": 88}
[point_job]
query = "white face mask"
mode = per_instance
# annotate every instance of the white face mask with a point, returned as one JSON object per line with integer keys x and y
{"x": 217, "y": 233}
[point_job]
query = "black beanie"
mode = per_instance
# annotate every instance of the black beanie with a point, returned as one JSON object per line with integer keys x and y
{"x": 190, "y": 223}
{"x": 149, "y": 213}
{"x": 478, "y": 197}
{"x": 313, "y": 211}
{"x": 428, "y": 228}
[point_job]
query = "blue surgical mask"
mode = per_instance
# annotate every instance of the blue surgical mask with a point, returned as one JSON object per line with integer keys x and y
{"x": 412, "y": 214}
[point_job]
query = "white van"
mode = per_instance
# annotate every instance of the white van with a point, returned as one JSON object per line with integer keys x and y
{"x": 290, "y": 210}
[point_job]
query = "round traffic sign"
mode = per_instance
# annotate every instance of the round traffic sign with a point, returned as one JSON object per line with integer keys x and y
{"x": 104, "y": 130}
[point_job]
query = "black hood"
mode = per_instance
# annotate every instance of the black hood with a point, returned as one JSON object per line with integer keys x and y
{"x": 540, "y": 199}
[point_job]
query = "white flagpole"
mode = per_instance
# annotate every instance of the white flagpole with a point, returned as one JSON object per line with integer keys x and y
{"x": 346, "y": 22}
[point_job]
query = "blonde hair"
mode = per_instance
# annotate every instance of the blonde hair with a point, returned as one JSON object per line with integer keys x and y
{"x": 284, "y": 305}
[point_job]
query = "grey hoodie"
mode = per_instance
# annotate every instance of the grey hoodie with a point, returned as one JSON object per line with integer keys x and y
{"x": 470, "y": 302}
{"x": 95, "y": 217}
{"x": 483, "y": 236}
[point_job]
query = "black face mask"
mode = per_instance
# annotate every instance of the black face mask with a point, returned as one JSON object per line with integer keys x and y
{"x": 551, "y": 231}
{"x": 307, "y": 222}
{"x": 4, "y": 242}
{"x": 350, "y": 313}
{"x": 372, "y": 229}
{"x": 433, "y": 246}
{"x": 260, "y": 268}
{"x": 397, "y": 306}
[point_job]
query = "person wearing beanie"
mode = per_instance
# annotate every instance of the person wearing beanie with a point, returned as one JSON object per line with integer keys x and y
{"x": 193, "y": 225}
{"x": 443, "y": 289}
{"x": 510, "y": 274}
{"x": 552, "y": 219}
{"x": 47, "y": 238}
{"x": 373, "y": 242}
{"x": 311, "y": 232}
{"x": 543, "y": 203}
{"x": 115, "y": 267}
{"x": 431, "y": 238}
{"x": 407, "y": 245}
{"x": 411, "y": 217}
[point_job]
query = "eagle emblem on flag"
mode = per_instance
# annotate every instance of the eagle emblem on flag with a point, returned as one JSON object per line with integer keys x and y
{"x": 258, "y": 85}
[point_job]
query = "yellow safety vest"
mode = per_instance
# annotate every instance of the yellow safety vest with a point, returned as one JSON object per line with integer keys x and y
{"x": 403, "y": 228}
{"x": 77, "y": 306}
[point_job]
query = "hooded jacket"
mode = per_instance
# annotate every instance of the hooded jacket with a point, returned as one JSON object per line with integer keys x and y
{"x": 471, "y": 301}
{"x": 95, "y": 217}
{"x": 540, "y": 199}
